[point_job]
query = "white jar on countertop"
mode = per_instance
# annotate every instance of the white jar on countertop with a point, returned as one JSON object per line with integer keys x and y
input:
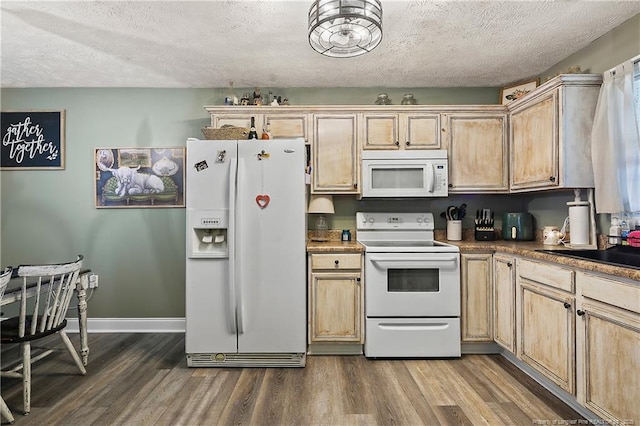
{"x": 615, "y": 231}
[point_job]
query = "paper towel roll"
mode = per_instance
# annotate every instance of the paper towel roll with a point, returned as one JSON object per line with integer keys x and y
{"x": 579, "y": 225}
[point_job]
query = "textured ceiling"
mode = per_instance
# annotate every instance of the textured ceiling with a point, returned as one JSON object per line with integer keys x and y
{"x": 264, "y": 43}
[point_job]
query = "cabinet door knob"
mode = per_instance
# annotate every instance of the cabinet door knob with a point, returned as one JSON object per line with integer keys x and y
{"x": 337, "y": 262}
{"x": 552, "y": 178}
{"x": 408, "y": 143}
{"x": 355, "y": 185}
{"x": 358, "y": 279}
{"x": 450, "y": 185}
{"x": 509, "y": 264}
{"x": 580, "y": 313}
{"x": 567, "y": 305}
{"x": 397, "y": 143}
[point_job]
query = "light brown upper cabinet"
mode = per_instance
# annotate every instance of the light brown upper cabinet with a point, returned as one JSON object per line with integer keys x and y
{"x": 401, "y": 130}
{"x": 232, "y": 118}
{"x": 288, "y": 125}
{"x": 550, "y": 134}
{"x": 335, "y": 154}
{"x": 477, "y": 146}
{"x": 282, "y": 124}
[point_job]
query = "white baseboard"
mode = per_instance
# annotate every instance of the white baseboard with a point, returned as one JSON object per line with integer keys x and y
{"x": 129, "y": 325}
{"x": 564, "y": 396}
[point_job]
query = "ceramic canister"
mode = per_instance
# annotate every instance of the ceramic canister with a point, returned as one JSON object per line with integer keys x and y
{"x": 551, "y": 236}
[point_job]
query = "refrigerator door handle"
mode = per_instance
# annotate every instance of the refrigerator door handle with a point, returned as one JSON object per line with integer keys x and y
{"x": 231, "y": 236}
{"x": 238, "y": 236}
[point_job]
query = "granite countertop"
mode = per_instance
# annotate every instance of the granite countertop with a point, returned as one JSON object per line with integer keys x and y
{"x": 334, "y": 243}
{"x": 528, "y": 249}
{"x": 469, "y": 244}
{"x": 335, "y": 246}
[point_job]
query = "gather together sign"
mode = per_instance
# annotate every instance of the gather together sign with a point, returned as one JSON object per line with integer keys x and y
{"x": 32, "y": 140}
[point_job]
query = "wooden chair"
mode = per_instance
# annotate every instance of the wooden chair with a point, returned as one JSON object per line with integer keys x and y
{"x": 5, "y": 277}
{"x": 41, "y": 315}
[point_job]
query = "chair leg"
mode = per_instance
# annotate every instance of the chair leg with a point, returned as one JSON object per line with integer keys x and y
{"x": 72, "y": 351}
{"x": 26, "y": 376}
{"x": 6, "y": 413}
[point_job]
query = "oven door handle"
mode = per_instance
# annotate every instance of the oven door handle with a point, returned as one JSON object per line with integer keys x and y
{"x": 414, "y": 326}
{"x": 433, "y": 261}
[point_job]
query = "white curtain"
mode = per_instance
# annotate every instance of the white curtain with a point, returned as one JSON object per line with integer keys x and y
{"x": 615, "y": 143}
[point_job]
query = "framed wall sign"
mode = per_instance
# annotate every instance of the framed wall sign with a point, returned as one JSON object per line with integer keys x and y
{"x": 32, "y": 140}
{"x": 139, "y": 177}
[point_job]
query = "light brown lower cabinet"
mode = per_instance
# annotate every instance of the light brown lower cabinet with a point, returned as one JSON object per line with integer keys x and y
{"x": 545, "y": 320}
{"x": 477, "y": 297}
{"x": 504, "y": 301}
{"x": 335, "y": 298}
{"x": 608, "y": 344}
{"x": 579, "y": 329}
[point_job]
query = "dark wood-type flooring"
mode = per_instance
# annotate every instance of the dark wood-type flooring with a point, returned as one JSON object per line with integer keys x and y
{"x": 142, "y": 379}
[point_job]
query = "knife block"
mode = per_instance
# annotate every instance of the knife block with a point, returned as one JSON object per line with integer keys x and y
{"x": 485, "y": 233}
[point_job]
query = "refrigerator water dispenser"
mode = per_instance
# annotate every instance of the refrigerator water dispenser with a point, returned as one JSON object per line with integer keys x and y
{"x": 208, "y": 236}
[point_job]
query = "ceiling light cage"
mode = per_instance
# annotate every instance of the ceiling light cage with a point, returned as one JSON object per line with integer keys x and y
{"x": 345, "y": 28}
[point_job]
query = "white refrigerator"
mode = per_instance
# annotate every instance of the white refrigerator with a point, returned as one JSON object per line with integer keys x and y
{"x": 245, "y": 266}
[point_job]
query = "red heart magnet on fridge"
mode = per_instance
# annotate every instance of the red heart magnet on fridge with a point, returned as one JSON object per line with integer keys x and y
{"x": 263, "y": 200}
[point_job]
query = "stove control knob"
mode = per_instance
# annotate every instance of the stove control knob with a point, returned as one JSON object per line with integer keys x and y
{"x": 370, "y": 220}
{"x": 419, "y": 220}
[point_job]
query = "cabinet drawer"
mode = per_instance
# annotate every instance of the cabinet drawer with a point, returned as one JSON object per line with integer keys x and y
{"x": 547, "y": 274}
{"x": 616, "y": 293}
{"x": 336, "y": 261}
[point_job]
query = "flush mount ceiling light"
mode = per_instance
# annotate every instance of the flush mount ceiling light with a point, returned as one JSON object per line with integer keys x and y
{"x": 345, "y": 28}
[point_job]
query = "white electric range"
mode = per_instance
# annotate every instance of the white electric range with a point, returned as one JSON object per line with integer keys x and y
{"x": 412, "y": 287}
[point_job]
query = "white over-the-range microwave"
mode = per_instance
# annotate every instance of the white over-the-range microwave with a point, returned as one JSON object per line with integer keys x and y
{"x": 419, "y": 173}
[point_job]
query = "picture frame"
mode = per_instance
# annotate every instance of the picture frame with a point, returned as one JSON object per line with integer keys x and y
{"x": 139, "y": 177}
{"x": 515, "y": 91}
{"x": 32, "y": 140}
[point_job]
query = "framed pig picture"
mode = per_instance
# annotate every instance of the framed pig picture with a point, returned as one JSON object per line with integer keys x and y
{"x": 32, "y": 140}
{"x": 139, "y": 177}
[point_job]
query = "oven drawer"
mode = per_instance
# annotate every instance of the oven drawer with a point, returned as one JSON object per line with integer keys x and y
{"x": 336, "y": 261}
{"x": 412, "y": 337}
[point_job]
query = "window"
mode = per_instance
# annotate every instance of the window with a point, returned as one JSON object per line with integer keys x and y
{"x": 615, "y": 140}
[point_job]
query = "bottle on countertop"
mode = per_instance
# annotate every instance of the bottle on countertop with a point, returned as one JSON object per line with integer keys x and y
{"x": 624, "y": 230}
{"x": 266, "y": 131}
{"x": 253, "y": 134}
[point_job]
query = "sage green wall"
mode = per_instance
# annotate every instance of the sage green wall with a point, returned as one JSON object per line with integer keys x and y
{"x": 49, "y": 216}
{"x": 618, "y": 45}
